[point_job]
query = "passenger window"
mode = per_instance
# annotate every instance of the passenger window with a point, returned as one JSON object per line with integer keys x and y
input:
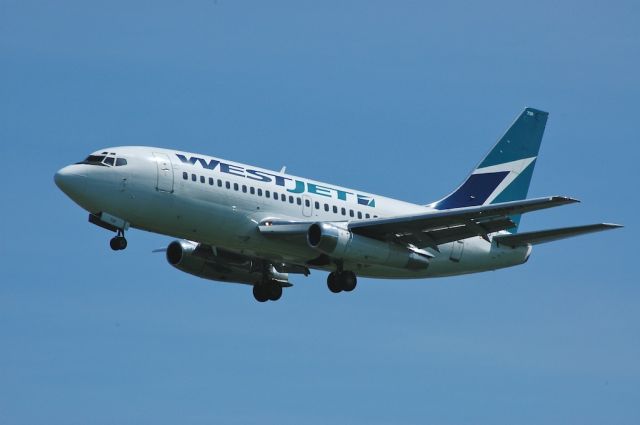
{"x": 367, "y": 215}
{"x": 120, "y": 162}
{"x": 291, "y": 201}
{"x": 343, "y": 211}
{"x": 219, "y": 183}
{"x": 267, "y": 193}
{"x": 227, "y": 185}
{"x": 211, "y": 181}
{"x": 235, "y": 186}
{"x": 283, "y": 197}
{"x": 201, "y": 179}
{"x": 299, "y": 201}
{"x": 317, "y": 205}
{"x": 335, "y": 209}
{"x": 193, "y": 177}
{"x": 307, "y": 203}
{"x": 259, "y": 192}
{"x": 244, "y": 188}
{"x": 326, "y": 207}
{"x": 350, "y": 213}
{"x": 375, "y": 216}
{"x": 252, "y": 190}
{"x": 359, "y": 214}
{"x": 185, "y": 175}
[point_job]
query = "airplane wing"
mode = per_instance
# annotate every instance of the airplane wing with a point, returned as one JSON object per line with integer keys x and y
{"x": 432, "y": 228}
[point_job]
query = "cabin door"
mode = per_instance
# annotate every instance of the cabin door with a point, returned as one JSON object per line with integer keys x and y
{"x": 165, "y": 173}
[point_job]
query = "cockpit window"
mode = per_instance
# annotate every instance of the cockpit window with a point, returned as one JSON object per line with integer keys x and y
{"x": 93, "y": 160}
{"x": 103, "y": 160}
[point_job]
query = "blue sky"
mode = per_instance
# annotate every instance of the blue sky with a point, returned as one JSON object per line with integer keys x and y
{"x": 398, "y": 98}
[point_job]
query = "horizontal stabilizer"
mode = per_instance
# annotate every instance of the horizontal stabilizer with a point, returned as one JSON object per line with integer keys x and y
{"x": 533, "y": 238}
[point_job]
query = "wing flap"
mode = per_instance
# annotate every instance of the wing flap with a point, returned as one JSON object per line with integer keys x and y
{"x": 542, "y": 236}
{"x": 435, "y": 237}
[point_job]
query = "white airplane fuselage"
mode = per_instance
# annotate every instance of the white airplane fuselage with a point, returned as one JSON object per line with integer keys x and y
{"x": 221, "y": 203}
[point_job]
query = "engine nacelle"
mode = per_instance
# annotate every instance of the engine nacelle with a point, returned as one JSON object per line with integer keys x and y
{"x": 339, "y": 242}
{"x": 180, "y": 255}
{"x": 190, "y": 258}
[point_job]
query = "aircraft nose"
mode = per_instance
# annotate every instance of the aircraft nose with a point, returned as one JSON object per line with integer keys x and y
{"x": 70, "y": 181}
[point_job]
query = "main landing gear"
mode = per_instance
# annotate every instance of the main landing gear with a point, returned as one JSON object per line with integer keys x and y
{"x": 267, "y": 291}
{"x": 342, "y": 281}
{"x": 118, "y": 242}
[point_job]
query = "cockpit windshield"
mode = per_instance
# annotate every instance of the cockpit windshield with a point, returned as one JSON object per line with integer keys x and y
{"x": 105, "y": 160}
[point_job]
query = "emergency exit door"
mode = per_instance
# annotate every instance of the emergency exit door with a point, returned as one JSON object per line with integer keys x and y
{"x": 307, "y": 206}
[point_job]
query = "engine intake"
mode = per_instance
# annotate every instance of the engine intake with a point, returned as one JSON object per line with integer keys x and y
{"x": 177, "y": 250}
{"x": 326, "y": 237}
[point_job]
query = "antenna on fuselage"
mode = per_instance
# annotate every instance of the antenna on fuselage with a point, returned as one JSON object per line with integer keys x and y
{"x": 283, "y": 170}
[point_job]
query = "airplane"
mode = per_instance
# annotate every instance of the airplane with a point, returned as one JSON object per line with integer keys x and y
{"x": 243, "y": 224}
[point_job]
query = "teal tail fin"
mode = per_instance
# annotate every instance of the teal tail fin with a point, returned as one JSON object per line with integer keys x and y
{"x": 505, "y": 173}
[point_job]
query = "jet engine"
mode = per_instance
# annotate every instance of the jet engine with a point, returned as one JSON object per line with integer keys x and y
{"x": 205, "y": 262}
{"x": 339, "y": 242}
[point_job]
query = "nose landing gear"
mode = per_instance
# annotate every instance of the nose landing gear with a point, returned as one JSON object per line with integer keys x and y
{"x": 118, "y": 242}
{"x": 114, "y": 224}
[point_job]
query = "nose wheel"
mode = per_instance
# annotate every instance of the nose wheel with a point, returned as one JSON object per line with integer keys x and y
{"x": 118, "y": 243}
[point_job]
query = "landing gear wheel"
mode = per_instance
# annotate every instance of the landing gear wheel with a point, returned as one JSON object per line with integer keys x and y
{"x": 260, "y": 293}
{"x": 118, "y": 243}
{"x": 342, "y": 281}
{"x": 275, "y": 292}
{"x": 333, "y": 282}
{"x": 348, "y": 281}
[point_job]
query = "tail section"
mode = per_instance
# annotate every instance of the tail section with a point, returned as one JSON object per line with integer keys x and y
{"x": 505, "y": 173}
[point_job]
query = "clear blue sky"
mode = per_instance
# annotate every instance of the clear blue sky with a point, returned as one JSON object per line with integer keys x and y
{"x": 399, "y": 98}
